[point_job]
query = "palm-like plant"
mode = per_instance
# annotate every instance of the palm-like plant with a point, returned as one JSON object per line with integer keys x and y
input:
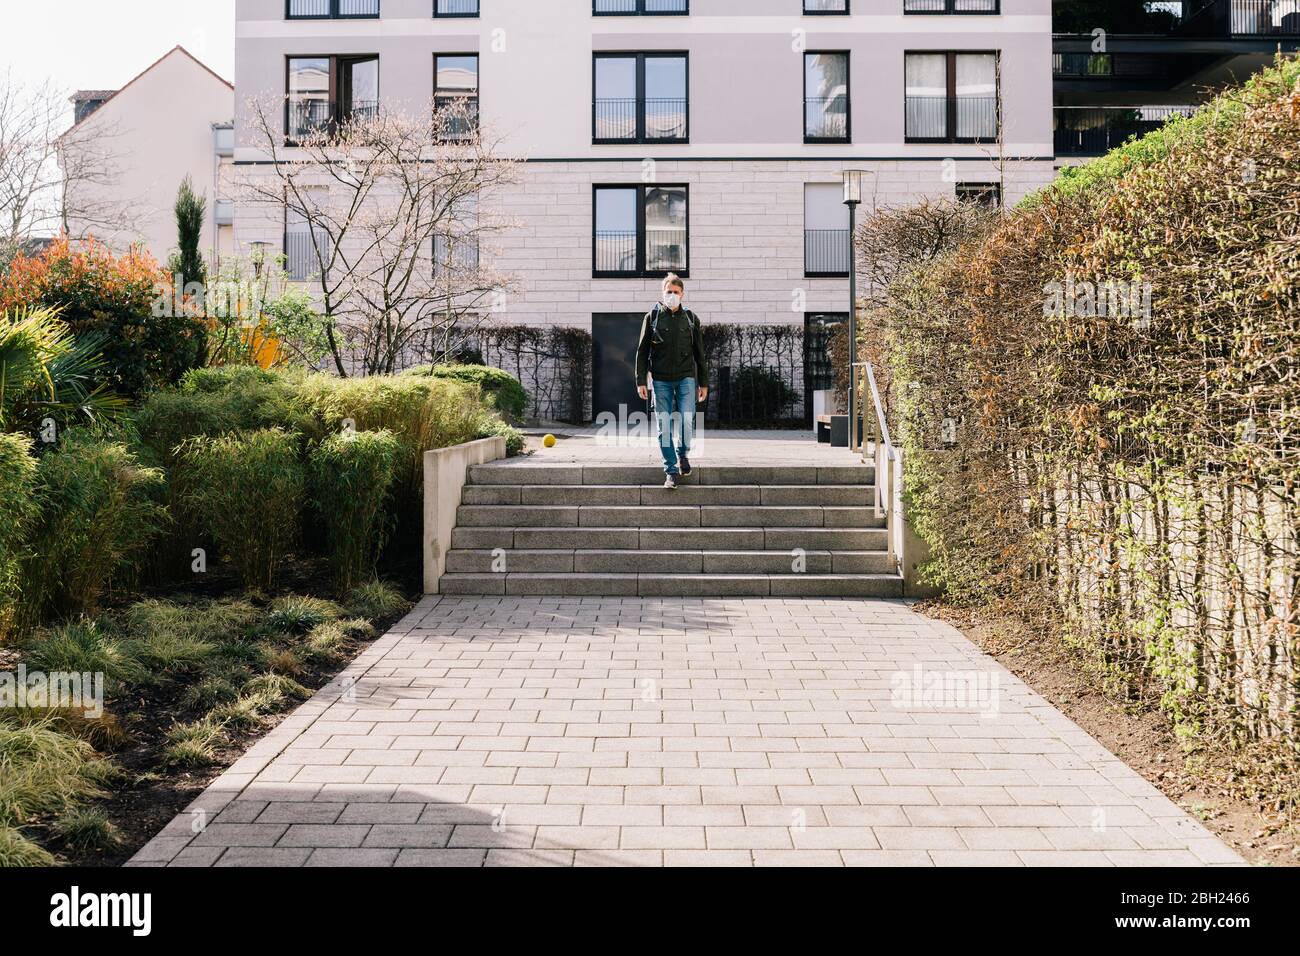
{"x": 46, "y": 371}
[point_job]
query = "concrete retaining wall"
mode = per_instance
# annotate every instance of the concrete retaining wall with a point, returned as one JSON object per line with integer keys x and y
{"x": 445, "y": 471}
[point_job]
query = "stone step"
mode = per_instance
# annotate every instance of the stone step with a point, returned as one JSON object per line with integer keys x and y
{"x": 598, "y": 561}
{"x": 669, "y": 539}
{"x": 652, "y": 516}
{"x": 517, "y": 471}
{"x": 684, "y": 494}
{"x": 674, "y": 585}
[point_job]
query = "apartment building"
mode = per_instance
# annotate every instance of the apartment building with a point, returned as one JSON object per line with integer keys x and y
{"x": 129, "y": 149}
{"x": 1125, "y": 72}
{"x": 703, "y": 137}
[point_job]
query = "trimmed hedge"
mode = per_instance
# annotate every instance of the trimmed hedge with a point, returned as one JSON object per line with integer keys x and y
{"x": 351, "y": 475}
{"x": 247, "y": 489}
{"x": 18, "y": 471}
{"x": 501, "y": 388}
{"x": 1129, "y": 481}
{"x": 97, "y": 510}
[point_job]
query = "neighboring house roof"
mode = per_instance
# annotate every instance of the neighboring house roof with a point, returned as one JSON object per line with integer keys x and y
{"x": 109, "y": 95}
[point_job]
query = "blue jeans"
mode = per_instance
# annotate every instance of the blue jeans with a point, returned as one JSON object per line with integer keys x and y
{"x": 675, "y": 404}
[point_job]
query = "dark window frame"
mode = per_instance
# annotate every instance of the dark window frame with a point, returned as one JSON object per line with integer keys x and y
{"x": 848, "y": 99}
{"x": 950, "y": 10}
{"x": 641, "y": 11}
{"x": 640, "y": 272}
{"x": 333, "y": 14}
{"x": 478, "y": 11}
{"x": 640, "y": 56}
{"x": 975, "y": 191}
{"x": 336, "y": 61}
{"x": 847, "y": 11}
{"x": 951, "y": 95}
{"x": 478, "y": 81}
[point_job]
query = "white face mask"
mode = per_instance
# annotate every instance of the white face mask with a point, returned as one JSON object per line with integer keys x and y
{"x": 672, "y": 300}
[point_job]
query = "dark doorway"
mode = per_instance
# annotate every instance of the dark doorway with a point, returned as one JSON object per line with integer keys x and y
{"x": 818, "y": 370}
{"x": 613, "y": 380}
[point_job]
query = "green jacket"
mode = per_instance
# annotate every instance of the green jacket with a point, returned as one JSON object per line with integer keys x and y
{"x": 672, "y": 349}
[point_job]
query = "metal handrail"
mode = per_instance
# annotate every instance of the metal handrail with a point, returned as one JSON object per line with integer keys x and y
{"x": 889, "y": 478}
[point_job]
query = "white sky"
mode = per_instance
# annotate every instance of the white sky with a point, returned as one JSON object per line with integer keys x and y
{"x": 102, "y": 44}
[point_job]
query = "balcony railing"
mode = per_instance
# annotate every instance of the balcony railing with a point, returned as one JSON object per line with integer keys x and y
{"x": 618, "y": 120}
{"x": 332, "y": 9}
{"x": 615, "y": 251}
{"x": 1083, "y": 64}
{"x": 304, "y": 258}
{"x": 1093, "y": 130}
{"x": 641, "y": 7}
{"x": 826, "y": 252}
{"x": 312, "y": 117}
{"x": 927, "y": 117}
{"x": 460, "y": 119}
{"x": 459, "y": 256}
{"x": 665, "y": 249}
{"x": 826, "y": 118}
{"x": 950, "y": 6}
{"x": 455, "y": 8}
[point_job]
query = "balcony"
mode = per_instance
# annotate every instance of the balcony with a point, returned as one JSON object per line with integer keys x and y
{"x": 1094, "y": 130}
{"x": 332, "y": 9}
{"x": 223, "y": 212}
{"x": 826, "y": 253}
{"x": 631, "y": 120}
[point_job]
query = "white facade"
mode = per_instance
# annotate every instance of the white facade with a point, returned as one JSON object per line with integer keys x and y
{"x": 149, "y": 136}
{"x": 754, "y": 181}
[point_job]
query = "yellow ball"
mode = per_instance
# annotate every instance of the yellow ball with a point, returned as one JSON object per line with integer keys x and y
{"x": 549, "y": 441}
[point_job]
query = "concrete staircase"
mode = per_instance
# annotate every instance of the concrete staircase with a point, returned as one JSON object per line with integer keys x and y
{"x": 613, "y": 530}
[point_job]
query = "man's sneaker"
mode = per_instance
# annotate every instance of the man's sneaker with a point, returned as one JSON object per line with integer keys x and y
{"x": 670, "y": 481}
{"x": 685, "y": 464}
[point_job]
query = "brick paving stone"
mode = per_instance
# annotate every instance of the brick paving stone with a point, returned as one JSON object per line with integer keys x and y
{"x": 672, "y": 732}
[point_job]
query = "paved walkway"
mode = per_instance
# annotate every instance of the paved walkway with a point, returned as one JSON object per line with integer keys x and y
{"x": 649, "y": 732}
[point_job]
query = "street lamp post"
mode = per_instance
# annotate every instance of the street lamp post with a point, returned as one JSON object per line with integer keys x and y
{"x": 853, "y": 198}
{"x": 258, "y": 256}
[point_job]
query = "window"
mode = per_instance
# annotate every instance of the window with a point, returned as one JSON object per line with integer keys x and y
{"x": 640, "y": 98}
{"x": 825, "y": 231}
{"x": 306, "y": 249}
{"x": 455, "y": 90}
{"x": 826, "y": 106}
{"x": 455, "y": 8}
{"x": 331, "y": 9}
{"x": 950, "y": 6}
{"x": 825, "y": 7}
{"x": 640, "y": 231}
{"x": 980, "y": 194}
{"x": 951, "y": 97}
{"x": 642, "y": 8}
{"x": 326, "y": 90}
